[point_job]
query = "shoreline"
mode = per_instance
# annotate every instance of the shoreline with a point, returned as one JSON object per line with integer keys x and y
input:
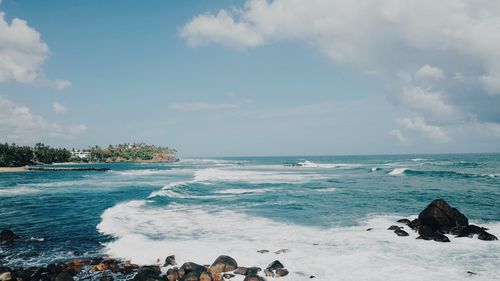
{"x": 13, "y": 169}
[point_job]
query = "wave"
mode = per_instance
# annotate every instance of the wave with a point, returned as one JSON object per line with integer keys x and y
{"x": 253, "y": 176}
{"x": 309, "y": 164}
{"x": 438, "y": 173}
{"x": 243, "y": 191}
{"x": 193, "y": 233}
{"x": 15, "y": 191}
{"x": 148, "y": 172}
{"x": 398, "y": 171}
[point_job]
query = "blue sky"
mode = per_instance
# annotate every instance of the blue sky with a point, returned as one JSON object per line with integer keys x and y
{"x": 228, "y": 78}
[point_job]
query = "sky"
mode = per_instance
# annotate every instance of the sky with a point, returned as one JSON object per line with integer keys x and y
{"x": 253, "y": 78}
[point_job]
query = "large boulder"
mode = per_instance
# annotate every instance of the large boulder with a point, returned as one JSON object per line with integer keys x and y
{"x": 8, "y": 236}
{"x": 188, "y": 267}
{"x": 440, "y": 216}
{"x": 426, "y": 233}
{"x": 147, "y": 272}
{"x": 224, "y": 264}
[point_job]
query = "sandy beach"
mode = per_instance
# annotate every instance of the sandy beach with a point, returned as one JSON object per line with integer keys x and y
{"x": 12, "y": 169}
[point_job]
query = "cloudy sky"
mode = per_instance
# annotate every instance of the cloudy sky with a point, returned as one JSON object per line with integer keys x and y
{"x": 255, "y": 77}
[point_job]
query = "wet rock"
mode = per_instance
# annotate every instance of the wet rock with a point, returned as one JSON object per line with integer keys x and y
{"x": 192, "y": 276}
{"x": 405, "y": 221}
{"x": 254, "y": 278}
{"x": 281, "y": 272}
{"x": 205, "y": 276}
{"x": 471, "y": 273}
{"x": 369, "y": 229}
{"x": 228, "y": 275}
{"x": 426, "y": 233}
{"x": 440, "y": 216}
{"x": 6, "y": 276}
{"x": 99, "y": 267}
{"x": 268, "y": 273}
{"x": 189, "y": 267}
{"x": 170, "y": 260}
{"x": 247, "y": 270}
{"x": 128, "y": 267}
{"x": 64, "y": 276}
{"x": 394, "y": 227}
{"x": 79, "y": 262}
{"x": 8, "y": 236}
{"x": 96, "y": 260}
{"x": 275, "y": 265}
{"x": 147, "y": 272}
{"x": 172, "y": 274}
{"x": 471, "y": 230}
{"x": 224, "y": 264}
{"x": 312, "y": 276}
{"x": 415, "y": 224}
{"x": 263, "y": 251}
{"x": 487, "y": 236}
{"x": 401, "y": 232}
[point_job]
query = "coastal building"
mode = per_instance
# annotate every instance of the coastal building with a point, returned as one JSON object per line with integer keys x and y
{"x": 80, "y": 154}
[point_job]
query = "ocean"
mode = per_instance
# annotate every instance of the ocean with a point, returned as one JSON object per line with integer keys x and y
{"x": 319, "y": 212}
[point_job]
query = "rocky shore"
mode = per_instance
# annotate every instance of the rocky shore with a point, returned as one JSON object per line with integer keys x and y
{"x": 436, "y": 222}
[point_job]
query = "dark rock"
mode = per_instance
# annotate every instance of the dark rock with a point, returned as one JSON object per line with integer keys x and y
{"x": 268, "y": 273}
{"x": 426, "y": 233}
{"x": 205, "y": 276}
{"x": 369, "y": 229}
{"x": 487, "y": 236}
{"x": 312, "y": 276}
{"x": 189, "y": 267}
{"x": 228, "y": 275}
{"x": 247, "y": 270}
{"x": 263, "y": 251}
{"x": 192, "y": 276}
{"x": 254, "y": 278}
{"x": 275, "y": 265}
{"x": 401, "y": 232}
{"x": 172, "y": 274}
{"x": 96, "y": 260}
{"x": 8, "y": 236}
{"x": 147, "y": 272}
{"x": 281, "y": 251}
{"x": 4, "y": 269}
{"x": 170, "y": 260}
{"x": 440, "y": 216}
{"x": 281, "y": 272}
{"x": 224, "y": 264}
{"x": 394, "y": 227}
{"x": 415, "y": 224}
{"x": 64, "y": 276}
{"x": 405, "y": 221}
{"x": 471, "y": 273}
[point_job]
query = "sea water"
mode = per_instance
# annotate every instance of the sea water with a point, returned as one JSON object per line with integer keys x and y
{"x": 319, "y": 212}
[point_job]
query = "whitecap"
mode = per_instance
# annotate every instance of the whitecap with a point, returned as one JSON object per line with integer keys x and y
{"x": 253, "y": 176}
{"x": 15, "y": 191}
{"x": 398, "y": 171}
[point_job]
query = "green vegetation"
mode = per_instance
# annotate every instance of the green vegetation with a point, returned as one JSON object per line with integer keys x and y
{"x": 131, "y": 152}
{"x": 16, "y": 156}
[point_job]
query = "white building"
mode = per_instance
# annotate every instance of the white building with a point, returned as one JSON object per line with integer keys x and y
{"x": 80, "y": 154}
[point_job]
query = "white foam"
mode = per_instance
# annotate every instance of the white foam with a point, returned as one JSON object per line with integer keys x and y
{"x": 309, "y": 164}
{"x": 148, "y": 172}
{"x": 419, "y": 159}
{"x": 398, "y": 171}
{"x": 374, "y": 169}
{"x": 193, "y": 233}
{"x": 19, "y": 190}
{"x": 243, "y": 191}
{"x": 253, "y": 176}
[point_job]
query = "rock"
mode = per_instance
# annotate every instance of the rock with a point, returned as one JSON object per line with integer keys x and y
{"x": 426, "y": 233}
{"x": 6, "y": 276}
{"x": 106, "y": 278}
{"x": 281, "y": 251}
{"x": 64, "y": 276}
{"x": 228, "y": 275}
{"x": 268, "y": 273}
{"x": 394, "y": 227}
{"x": 96, "y": 260}
{"x": 401, "y": 232}
{"x": 275, "y": 265}
{"x": 263, "y": 251}
{"x": 254, "y": 278}
{"x": 205, "y": 276}
{"x": 415, "y": 224}
{"x": 280, "y": 272}
{"x": 247, "y": 270}
{"x": 8, "y": 236}
{"x": 312, "y": 276}
{"x": 170, "y": 260}
{"x": 79, "y": 262}
{"x": 98, "y": 267}
{"x": 471, "y": 273}
{"x": 487, "y": 236}
{"x": 172, "y": 274}
{"x": 189, "y": 267}
{"x": 147, "y": 272}
{"x": 440, "y": 216}
{"x": 369, "y": 229}
{"x": 405, "y": 221}
{"x": 224, "y": 264}
{"x": 192, "y": 276}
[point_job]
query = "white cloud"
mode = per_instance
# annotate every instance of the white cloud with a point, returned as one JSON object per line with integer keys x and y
{"x": 59, "y": 108}
{"x": 387, "y": 38}
{"x": 429, "y": 72}
{"x": 62, "y": 84}
{"x": 19, "y": 124}
{"x": 418, "y": 125}
{"x": 22, "y": 52}
{"x": 428, "y": 102}
{"x": 398, "y": 135}
{"x": 203, "y": 106}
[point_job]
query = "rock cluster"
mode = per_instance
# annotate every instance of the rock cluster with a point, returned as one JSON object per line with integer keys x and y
{"x": 438, "y": 219}
{"x": 106, "y": 269}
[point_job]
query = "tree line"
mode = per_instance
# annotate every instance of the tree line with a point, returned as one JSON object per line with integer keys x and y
{"x": 13, "y": 155}
{"x": 131, "y": 152}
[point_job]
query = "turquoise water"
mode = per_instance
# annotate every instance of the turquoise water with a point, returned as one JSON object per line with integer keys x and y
{"x": 200, "y": 208}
